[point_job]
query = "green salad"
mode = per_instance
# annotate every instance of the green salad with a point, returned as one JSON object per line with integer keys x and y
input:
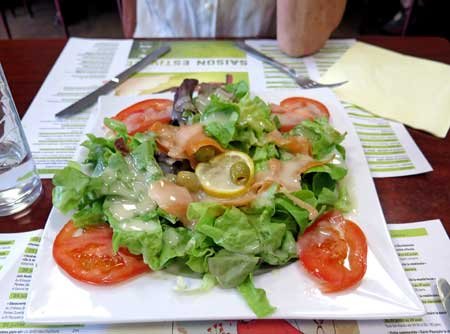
{"x": 216, "y": 185}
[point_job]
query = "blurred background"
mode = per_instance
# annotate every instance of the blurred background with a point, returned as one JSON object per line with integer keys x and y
{"x": 28, "y": 19}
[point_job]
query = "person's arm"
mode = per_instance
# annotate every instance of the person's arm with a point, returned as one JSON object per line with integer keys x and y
{"x": 128, "y": 17}
{"x": 303, "y": 26}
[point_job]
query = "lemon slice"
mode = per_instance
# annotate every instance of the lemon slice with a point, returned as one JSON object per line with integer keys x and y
{"x": 216, "y": 178}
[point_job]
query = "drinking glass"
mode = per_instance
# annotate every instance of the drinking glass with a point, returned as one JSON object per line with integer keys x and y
{"x": 20, "y": 184}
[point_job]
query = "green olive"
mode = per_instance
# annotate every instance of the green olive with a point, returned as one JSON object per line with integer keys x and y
{"x": 205, "y": 153}
{"x": 188, "y": 180}
{"x": 239, "y": 173}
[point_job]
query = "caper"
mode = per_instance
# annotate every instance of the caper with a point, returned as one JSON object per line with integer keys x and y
{"x": 188, "y": 180}
{"x": 205, "y": 153}
{"x": 239, "y": 173}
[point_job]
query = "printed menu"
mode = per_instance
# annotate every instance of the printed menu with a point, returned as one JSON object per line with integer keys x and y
{"x": 423, "y": 249}
{"x": 83, "y": 66}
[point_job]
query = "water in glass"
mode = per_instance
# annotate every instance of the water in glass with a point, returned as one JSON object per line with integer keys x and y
{"x": 19, "y": 182}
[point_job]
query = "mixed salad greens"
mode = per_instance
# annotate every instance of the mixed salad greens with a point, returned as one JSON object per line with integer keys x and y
{"x": 224, "y": 236}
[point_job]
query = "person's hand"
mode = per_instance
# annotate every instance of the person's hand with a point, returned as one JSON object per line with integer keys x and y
{"x": 303, "y": 26}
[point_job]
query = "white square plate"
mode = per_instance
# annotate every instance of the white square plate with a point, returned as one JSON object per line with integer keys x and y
{"x": 385, "y": 292}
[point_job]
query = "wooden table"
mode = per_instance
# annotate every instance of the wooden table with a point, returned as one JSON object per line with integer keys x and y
{"x": 403, "y": 199}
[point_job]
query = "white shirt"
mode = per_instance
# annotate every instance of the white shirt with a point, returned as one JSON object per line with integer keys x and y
{"x": 205, "y": 18}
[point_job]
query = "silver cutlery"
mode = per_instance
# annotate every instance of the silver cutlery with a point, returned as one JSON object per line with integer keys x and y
{"x": 91, "y": 98}
{"x": 301, "y": 80}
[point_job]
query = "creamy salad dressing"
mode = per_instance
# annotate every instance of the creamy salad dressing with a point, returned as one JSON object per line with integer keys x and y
{"x": 122, "y": 209}
{"x": 132, "y": 198}
{"x": 137, "y": 225}
{"x": 114, "y": 188}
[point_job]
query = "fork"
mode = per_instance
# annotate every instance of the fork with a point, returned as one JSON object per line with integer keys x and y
{"x": 301, "y": 80}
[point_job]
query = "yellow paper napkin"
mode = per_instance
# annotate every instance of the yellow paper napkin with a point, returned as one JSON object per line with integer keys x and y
{"x": 406, "y": 89}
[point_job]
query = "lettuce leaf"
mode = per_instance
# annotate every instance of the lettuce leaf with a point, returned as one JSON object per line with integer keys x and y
{"x": 337, "y": 199}
{"x": 278, "y": 245}
{"x": 232, "y": 231}
{"x": 219, "y": 120}
{"x": 323, "y": 182}
{"x": 147, "y": 240}
{"x": 99, "y": 151}
{"x": 204, "y": 213}
{"x": 262, "y": 154}
{"x": 183, "y": 243}
{"x": 255, "y": 116}
{"x": 155, "y": 235}
{"x": 283, "y": 254}
{"x": 201, "y": 248}
{"x": 238, "y": 89}
{"x": 238, "y": 233}
{"x": 291, "y": 211}
{"x": 256, "y": 298}
{"x": 208, "y": 282}
{"x": 117, "y": 126}
{"x": 90, "y": 214}
{"x": 241, "y": 125}
{"x": 114, "y": 173}
{"x": 324, "y": 138}
{"x": 144, "y": 160}
{"x": 70, "y": 187}
{"x": 175, "y": 243}
{"x": 231, "y": 269}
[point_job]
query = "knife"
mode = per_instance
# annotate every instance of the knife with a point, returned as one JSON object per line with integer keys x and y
{"x": 91, "y": 98}
{"x": 444, "y": 293}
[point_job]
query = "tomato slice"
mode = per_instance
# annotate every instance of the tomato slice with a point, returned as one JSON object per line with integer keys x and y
{"x": 87, "y": 256}
{"x": 294, "y": 110}
{"x": 334, "y": 250}
{"x": 140, "y": 116}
